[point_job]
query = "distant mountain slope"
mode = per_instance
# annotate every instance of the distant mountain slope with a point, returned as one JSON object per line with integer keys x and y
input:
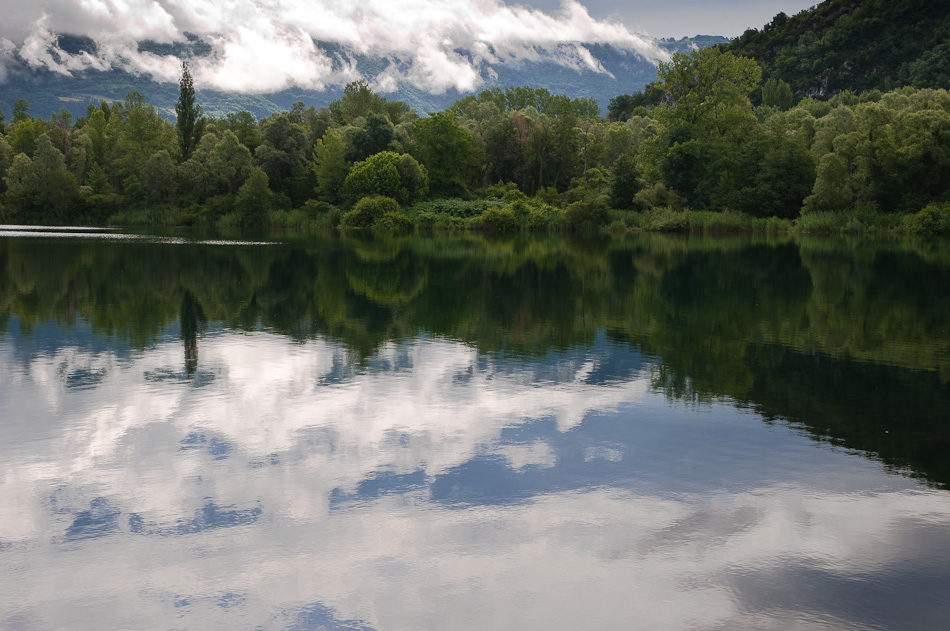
{"x": 855, "y": 45}
{"x": 48, "y": 92}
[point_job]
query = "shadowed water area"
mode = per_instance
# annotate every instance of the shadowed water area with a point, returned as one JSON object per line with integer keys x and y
{"x": 473, "y": 433}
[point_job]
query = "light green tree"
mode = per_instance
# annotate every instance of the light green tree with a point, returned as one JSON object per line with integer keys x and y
{"x": 135, "y": 132}
{"x": 777, "y": 93}
{"x": 380, "y": 175}
{"x": 57, "y": 186}
{"x": 329, "y": 164}
{"x": 701, "y": 82}
{"x": 22, "y": 135}
{"x": 707, "y": 152}
{"x": 199, "y": 173}
{"x": 95, "y": 129}
{"x": 618, "y": 140}
{"x": 78, "y": 157}
{"x": 21, "y": 183}
{"x": 231, "y": 161}
{"x": 245, "y": 127}
{"x": 832, "y": 189}
{"x": 21, "y": 110}
{"x": 42, "y": 188}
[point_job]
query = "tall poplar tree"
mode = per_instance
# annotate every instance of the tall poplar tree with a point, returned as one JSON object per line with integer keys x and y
{"x": 189, "y": 124}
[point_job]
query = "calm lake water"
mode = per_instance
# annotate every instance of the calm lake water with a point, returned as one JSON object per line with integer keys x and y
{"x": 470, "y": 433}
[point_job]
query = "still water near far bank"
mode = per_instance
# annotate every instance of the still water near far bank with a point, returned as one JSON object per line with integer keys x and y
{"x": 461, "y": 432}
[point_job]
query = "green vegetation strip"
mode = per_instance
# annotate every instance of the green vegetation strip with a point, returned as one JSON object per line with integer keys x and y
{"x": 691, "y": 153}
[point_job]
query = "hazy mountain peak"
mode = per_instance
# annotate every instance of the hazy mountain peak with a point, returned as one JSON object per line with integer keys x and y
{"x": 254, "y": 47}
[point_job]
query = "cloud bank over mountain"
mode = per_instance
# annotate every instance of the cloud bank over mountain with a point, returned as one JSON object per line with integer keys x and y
{"x": 263, "y": 46}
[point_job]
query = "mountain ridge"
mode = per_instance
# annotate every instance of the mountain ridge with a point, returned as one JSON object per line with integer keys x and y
{"x": 48, "y": 91}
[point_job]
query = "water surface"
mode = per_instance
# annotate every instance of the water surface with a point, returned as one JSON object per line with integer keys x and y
{"x": 473, "y": 433}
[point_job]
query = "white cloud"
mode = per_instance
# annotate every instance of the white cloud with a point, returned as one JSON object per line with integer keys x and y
{"x": 265, "y": 46}
{"x": 7, "y": 57}
{"x": 442, "y": 422}
{"x": 40, "y": 50}
{"x": 597, "y": 557}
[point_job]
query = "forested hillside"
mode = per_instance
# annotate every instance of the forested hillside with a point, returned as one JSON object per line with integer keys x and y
{"x": 512, "y": 159}
{"x": 854, "y": 45}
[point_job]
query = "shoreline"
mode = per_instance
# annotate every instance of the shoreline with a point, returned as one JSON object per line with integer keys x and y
{"x": 620, "y": 222}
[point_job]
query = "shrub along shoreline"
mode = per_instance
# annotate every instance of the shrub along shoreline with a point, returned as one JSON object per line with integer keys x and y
{"x": 514, "y": 212}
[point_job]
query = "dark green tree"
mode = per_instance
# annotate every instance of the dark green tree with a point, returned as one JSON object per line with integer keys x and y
{"x": 189, "y": 123}
{"x": 784, "y": 176}
{"x": 448, "y": 151}
{"x": 192, "y": 319}
{"x": 374, "y": 136}
{"x": 98, "y": 180}
{"x": 253, "y": 199}
{"x": 158, "y": 178}
{"x": 6, "y": 157}
{"x": 624, "y": 181}
{"x": 505, "y": 142}
{"x": 283, "y": 149}
{"x": 623, "y": 106}
{"x": 358, "y": 101}
{"x": 244, "y": 126}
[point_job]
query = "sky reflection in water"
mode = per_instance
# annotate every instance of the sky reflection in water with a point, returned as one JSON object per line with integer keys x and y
{"x": 247, "y": 478}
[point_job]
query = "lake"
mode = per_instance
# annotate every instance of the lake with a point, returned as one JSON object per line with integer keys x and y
{"x": 466, "y": 432}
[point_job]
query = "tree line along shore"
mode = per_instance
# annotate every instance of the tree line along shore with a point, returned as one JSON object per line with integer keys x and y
{"x": 691, "y": 152}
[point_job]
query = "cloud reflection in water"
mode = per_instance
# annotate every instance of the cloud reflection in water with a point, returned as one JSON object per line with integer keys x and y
{"x": 433, "y": 487}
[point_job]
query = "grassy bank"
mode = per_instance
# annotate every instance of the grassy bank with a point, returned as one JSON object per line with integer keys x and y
{"x": 518, "y": 213}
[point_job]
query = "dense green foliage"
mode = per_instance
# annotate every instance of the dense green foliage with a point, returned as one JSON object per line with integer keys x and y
{"x": 623, "y": 106}
{"x": 854, "y": 45}
{"x": 374, "y": 211}
{"x": 702, "y": 155}
{"x": 394, "y": 175}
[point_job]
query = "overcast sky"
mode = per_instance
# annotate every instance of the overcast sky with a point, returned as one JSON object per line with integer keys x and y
{"x": 676, "y": 18}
